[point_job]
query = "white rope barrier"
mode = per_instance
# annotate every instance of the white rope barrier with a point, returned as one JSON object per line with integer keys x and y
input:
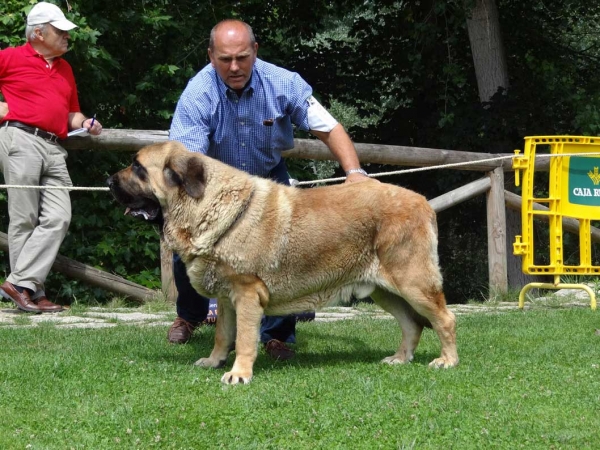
{"x": 400, "y": 172}
{"x": 57, "y": 188}
{"x": 441, "y": 166}
{"x": 329, "y": 180}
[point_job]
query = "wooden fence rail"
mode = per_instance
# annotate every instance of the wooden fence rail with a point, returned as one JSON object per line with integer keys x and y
{"x": 133, "y": 140}
{"x": 95, "y": 277}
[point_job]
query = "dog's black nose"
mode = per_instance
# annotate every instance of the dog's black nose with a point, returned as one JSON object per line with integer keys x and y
{"x": 110, "y": 181}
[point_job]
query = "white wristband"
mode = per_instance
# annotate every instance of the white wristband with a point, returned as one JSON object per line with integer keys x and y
{"x": 359, "y": 170}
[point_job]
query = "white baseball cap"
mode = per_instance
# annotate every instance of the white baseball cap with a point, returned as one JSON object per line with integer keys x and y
{"x": 44, "y": 12}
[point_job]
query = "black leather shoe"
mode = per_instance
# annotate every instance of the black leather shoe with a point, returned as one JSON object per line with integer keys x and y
{"x": 21, "y": 299}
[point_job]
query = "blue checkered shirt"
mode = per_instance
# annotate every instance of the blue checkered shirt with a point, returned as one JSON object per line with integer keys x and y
{"x": 247, "y": 132}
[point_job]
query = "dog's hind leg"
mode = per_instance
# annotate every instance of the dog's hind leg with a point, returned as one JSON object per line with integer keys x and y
{"x": 430, "y": 303}
{"x": 224, "y": 336}
{"x": 410, "y": 325}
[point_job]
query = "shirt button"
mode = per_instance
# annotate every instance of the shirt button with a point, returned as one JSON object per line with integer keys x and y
{"x": 243, "y": 145}
{"x": 243, "y": 164}
{"x": 241, "y": 123}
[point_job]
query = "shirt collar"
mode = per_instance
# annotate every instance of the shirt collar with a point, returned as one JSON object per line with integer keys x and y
{"x": 30, "y": 51}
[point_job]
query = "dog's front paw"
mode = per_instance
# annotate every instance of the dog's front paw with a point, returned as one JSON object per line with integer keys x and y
{"x": 442, "y": 363}
{"x": 209, "y": 362}
{"x": 236, "y": 378}
{"x": 397, "y": 359}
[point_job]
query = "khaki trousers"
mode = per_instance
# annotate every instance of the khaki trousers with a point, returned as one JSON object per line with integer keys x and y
{"x": 39, "y": 218}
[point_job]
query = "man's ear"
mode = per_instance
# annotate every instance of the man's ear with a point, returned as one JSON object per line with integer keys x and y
{"x": 187, "y": 172}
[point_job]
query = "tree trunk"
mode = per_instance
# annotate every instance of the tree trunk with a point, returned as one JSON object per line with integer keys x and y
{"x": 488, "y": 52}
{"x": 492, "y": 73}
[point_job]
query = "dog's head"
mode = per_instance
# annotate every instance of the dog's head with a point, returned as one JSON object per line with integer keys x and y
{"x": 158, "y": 173}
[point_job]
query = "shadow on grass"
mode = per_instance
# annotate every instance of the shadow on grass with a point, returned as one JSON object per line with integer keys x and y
{"x": 335, "y": 345}
{"x": 315, "y": 349}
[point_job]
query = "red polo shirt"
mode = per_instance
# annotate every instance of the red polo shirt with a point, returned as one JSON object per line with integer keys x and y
{"x": 37, "y": 94}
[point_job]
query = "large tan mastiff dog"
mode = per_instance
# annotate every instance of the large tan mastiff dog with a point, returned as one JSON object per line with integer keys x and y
{"x": 264, "y": 248}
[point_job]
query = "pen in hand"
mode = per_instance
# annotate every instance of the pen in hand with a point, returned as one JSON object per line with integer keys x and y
{"x": 93, "y": 120}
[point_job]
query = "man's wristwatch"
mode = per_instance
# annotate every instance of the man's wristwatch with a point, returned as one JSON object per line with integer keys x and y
{"x": 359, "y": 170}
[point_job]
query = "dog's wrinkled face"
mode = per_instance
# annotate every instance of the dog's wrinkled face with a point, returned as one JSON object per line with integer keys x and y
{"x": 130, "y": 188}
{"x": 157, "y": 172}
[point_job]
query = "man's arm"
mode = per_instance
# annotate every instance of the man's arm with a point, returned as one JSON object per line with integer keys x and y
{"x": 78, "y": 120}
{"x": 341, "y": 146}
{"x": 3, "y": 109}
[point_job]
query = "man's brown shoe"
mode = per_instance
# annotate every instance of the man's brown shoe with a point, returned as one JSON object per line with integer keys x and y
{"x": 278, "y": 350}
{"x": 46, "y": 305}
{"x": 181, "y": 331}
{"x": 21, "y": 299}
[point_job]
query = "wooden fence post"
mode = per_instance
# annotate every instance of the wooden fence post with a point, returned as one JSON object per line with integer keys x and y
{"x": 166, "y": 272}
{"x": 496, "y": 227}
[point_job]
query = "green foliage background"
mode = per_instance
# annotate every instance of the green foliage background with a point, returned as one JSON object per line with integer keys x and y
{"x": 393, "y": 72}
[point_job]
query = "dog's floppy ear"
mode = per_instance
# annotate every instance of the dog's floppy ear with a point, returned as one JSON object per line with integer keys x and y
{"x": 187, "y": 172}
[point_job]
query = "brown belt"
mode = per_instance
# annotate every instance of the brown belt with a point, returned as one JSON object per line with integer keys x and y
{"x": 50, "y": 137}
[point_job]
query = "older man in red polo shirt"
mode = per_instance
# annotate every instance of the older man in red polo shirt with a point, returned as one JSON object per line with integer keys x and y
{"x": 41, "y": 106}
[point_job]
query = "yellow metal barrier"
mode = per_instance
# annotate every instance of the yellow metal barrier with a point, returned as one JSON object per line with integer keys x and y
{"x": 573, "y": 191}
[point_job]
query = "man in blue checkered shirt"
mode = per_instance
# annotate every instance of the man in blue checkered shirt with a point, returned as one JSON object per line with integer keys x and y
{"x": 240, "y": 110}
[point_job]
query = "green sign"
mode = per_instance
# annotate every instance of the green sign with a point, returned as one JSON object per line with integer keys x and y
{"x": 584, "y": 181}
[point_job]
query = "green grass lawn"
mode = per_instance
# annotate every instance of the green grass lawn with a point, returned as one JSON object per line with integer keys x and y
{"x": 526, "y": 380}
